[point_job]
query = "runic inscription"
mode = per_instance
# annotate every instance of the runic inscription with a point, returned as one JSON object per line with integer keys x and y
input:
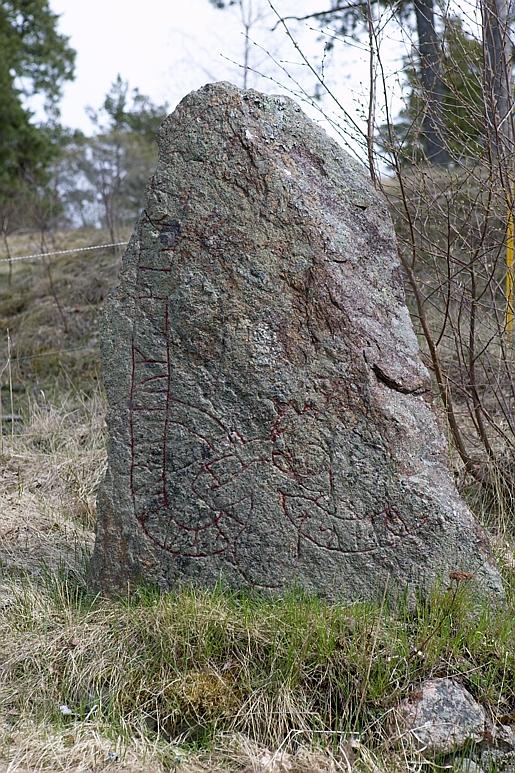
{"x": 269, "y": 416}
{"x": 221, "y": 461}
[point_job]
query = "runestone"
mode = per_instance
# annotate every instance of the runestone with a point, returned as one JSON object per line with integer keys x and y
{"x": 270, "y": 420}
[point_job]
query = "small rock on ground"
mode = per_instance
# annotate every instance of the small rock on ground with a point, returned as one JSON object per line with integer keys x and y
{"x": 441, "y": 717}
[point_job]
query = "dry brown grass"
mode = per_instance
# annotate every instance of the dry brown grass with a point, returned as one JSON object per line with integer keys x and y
{"x": 86, "y": 750}
{"x": 50, "y": 470}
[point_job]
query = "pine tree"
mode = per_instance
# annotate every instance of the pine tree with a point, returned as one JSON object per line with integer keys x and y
{"x": 461, "y": 102}
{"x": 34, "y": 59}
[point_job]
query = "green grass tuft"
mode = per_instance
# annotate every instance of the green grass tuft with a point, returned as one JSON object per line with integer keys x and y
{"x": 194, "y": 664}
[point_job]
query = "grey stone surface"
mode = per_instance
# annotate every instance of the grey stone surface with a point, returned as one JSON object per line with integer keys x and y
{"x": 440, "y": 717}
{"x": 270, "y": 420}
{"x": 498, "y": 761}
{"x": 499, "y": 754}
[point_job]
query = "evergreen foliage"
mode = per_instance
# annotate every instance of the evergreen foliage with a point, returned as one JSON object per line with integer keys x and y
{"x": 35, "y": 59}
{"x": 462, "y": 105}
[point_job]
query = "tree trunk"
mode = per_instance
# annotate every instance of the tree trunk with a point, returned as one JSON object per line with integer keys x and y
{"x": 433, "y": 89}
{"x": 497, "y": 76}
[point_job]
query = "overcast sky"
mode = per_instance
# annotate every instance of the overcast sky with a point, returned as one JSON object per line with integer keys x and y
{"x": 166, "y": 48}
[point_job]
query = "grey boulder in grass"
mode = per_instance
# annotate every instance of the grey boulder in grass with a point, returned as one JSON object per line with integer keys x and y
{"x": 270, "y": 420}
{"x": 441, "y": 717}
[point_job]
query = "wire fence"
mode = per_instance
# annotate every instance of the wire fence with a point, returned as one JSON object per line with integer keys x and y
{"x": 16, "y": 358}
{"x": 41, "y": 255}
{"x": 53, "y": 353}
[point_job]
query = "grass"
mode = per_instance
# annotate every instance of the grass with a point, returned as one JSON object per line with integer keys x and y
{"x": 51, "y": 466}
{"x": 52, "y": 312}
{"x": 180, "y": 670}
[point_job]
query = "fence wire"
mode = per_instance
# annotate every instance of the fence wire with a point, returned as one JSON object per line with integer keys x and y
{"x": 41, "y": 255}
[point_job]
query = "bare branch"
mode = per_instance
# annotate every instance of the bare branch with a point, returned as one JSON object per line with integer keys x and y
{"x": 322, "y": 14}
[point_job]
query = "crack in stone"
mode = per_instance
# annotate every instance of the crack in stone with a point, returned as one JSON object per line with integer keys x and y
{"x": 392, "y": 384}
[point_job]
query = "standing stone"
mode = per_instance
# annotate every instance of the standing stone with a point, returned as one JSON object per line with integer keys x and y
{"x": 270, "y": 420}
